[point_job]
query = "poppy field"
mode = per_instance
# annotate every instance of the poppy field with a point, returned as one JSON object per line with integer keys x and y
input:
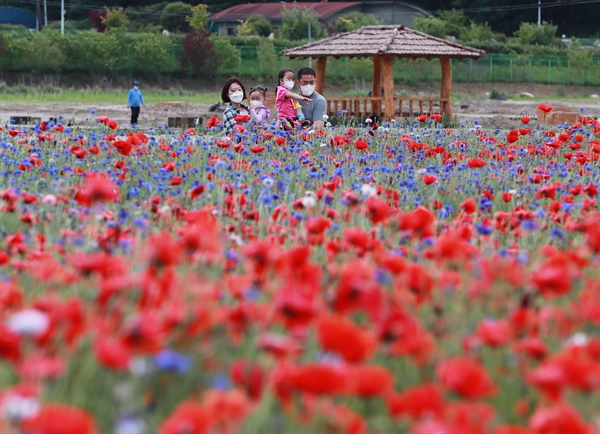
{"x": 393, "y": 278}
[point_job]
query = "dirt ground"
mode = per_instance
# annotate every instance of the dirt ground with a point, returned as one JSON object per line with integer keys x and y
{"x": 474, "y": 105}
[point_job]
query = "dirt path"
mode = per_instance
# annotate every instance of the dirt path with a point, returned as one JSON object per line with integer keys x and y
{"x": 475, "y": 106}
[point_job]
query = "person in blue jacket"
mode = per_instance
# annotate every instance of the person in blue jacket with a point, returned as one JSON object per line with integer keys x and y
{"x": 134, "y": 99}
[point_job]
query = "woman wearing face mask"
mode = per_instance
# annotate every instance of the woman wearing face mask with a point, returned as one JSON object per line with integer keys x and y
{"x": 259, "y": 110}
{"x": 286, "y": 101}
{"x": 234, "y": 93}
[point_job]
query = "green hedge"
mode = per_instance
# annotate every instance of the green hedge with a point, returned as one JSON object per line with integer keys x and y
{"x": 259, "y": 59}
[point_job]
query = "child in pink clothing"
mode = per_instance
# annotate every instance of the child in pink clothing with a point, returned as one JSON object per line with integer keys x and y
{"x": 285, "y": 101}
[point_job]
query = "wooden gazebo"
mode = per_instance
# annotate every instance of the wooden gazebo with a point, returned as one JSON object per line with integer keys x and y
{"x": 383, "y": 44}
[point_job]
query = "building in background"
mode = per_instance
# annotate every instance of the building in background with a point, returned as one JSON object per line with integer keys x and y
{"x": 18, "y": 17}
{"x": 387, "y": 12}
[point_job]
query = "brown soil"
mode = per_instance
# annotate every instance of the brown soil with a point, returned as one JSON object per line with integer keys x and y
{"x": 472, "y": 105}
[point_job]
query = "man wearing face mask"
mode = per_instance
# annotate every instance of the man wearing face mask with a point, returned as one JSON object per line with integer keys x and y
{"x": 315, "y": 109}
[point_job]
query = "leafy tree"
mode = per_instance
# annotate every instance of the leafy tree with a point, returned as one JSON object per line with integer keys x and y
{"x": 356, "y": 20}
{"x": 532, "y": 34}
{"x": 115, "y": 19}
{"x": 97, "y": 18}
{"x": 198, "y": 55}
{"x": 199, "y": 19}
{"x": 255, "y": 25}
{"x": 476, "y": 33}
{"x": 454, "y": 20}
{"x": 175, "y": 16}
{"x": 431, "y": 25}
{"x": 295, "y": 23}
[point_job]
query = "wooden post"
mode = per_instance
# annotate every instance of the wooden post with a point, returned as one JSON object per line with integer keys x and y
{"x": 321, "y": 64}
{"x": 388, "y": 87}
{"x": 376, "y": 90}
{"x": 446, "y": 90}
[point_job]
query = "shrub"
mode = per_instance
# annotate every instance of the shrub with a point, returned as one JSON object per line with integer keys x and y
{"x": 199, "y": 18}
{"x": 431, "y": 25}
{"x": 115, "y": 19}
{"x": 175, "y": 16}
{"x": 532, "y": 34}
{"x": 198, "y": 55}
{"x": 255, "y": 25}
{"x": 229, "y": 57}
{"x": 295, "y": 23}
{"x": 355, "y": 20}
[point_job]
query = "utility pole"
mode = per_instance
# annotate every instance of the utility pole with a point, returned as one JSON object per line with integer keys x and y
{"x": 62, "y": 17}
{"x": 539, "y": 12}
{"x": 45, "y": 13}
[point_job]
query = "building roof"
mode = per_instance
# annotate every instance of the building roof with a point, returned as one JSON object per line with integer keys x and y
{"x": 398, "y": 41}
{"x": 272, "y": 11}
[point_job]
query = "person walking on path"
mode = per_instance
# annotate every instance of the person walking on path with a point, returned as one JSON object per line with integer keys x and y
{"x": 134, "y": 99}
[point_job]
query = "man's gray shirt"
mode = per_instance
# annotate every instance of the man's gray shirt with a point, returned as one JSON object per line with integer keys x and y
{"x": 316, "y": 109}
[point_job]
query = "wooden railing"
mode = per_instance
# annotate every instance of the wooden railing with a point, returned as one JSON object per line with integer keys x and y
{"x": 374, "y": 106}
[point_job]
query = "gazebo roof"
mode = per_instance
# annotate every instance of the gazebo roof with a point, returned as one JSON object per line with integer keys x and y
{"x": 398, "y": 41}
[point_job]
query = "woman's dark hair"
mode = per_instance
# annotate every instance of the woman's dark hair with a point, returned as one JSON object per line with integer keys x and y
{"x": 227, "y": 85}
{"x": 282, "y": 74}
{"x": 260, "y": 89}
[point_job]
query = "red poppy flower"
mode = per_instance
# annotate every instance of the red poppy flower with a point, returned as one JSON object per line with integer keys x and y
{"x": 197, "y": 191}
{"x": 242, "y": 118}
{"x": 513, "y": 136}
{"x": 368, "y": 381}
{"x": 525, "y": 119}
{"x": 222, "y": 143}
{"x": 465, "y": 377}
{"x": 429, "y": 179}
{"x": 545, "y": 108}
{"x": 123, "y": 147}
{"x": 112, "y": 353}
{"x": 280, "y": 141}
{"x": 340, "y": 335}
{"x": 552, "y": 279}
{"x": 317, "y": 225}
{"x": 494, "y": 333}
{"x": 250, "y": 376}
{"x": 10, "y": 344}
{"x": 257, "y": 149}
{"x": 378, "y": 210}
{"x": 469, "y": 205}
{"x": 59, "y": 419}
{"x": 98, "y": 188}
{"x": 189, "y": 417}
{"x": 417, "y": 402}
{"x": 112, "y": 125}
{"x": 561, "y": 418}
{"x": 476, "y": 163}
{"x": 176, "y": 180}
{"x": 213, "y": 122}
{"x": 361, "y": 145}
{"x": 422, "y": 118}
{"x": 319, "y": 379}
{"x": 239, "y": 129}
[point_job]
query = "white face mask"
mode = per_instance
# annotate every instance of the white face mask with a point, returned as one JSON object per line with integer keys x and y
{"x": 308, "y": 90}
{"x": 289, "y": 85}
{"x": 256, "y": 104}
{"x": 237, "y": 96}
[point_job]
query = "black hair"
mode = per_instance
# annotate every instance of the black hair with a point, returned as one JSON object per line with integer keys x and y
{"x": 305, "y": 71}
{"x": 260, "y": 89}
{"x": 282, "y": 74}
{"x": 227, "y": 85}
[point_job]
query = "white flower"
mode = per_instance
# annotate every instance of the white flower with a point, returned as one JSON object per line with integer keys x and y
{"x": 577, "y": 340}
{"x": 29, "y": 322}
{"x": 368, "y": 190}
{"x": 308, "y": 201}
{"x": 513, "y": 191}
{"x": 422, "y": 171}
{"x": 368, "y": 120}
{"x": 268, "y": 182}
{"x": 325, "y": 117}
{"x": 17, "y": 407}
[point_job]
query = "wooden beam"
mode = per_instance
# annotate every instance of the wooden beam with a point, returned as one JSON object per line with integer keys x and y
{"x": 376, "y": 90}
{"x": 321, "y": 64}
{"x": 388, "y": 87}
{"x": 446, "y": 90}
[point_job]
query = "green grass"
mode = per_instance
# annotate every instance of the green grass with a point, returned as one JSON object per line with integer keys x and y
{"x": 151, "y": 96}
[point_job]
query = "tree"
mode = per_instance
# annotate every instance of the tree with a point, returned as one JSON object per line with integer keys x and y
{"x": 431, "y": 25}
{"x": 115, "y": 19}
{"x": 198, "y": 55}
{"x": 295, "y": 23}
{"x": 199, "y": 19}
{"x": 356, "y": 20}
{"x": 255, "y": 25}
{"x": 174, "y": 17}
{"x": 454, "y": 20}
{"x": 477, "y": 33}
{"x": 532, "y": 34}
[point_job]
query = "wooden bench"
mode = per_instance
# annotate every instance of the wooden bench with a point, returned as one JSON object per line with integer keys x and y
{"x": 374, "y": 106}
{"x": 24, "y": 120}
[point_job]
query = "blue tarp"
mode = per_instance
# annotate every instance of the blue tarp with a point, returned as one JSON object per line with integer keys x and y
{"x": 17, "y": 16}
